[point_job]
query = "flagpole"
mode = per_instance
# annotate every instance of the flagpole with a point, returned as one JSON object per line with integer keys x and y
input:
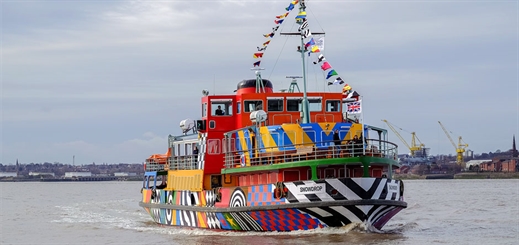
{"x": 362, "y": 123}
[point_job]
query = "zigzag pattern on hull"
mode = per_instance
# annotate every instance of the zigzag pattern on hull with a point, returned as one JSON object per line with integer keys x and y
{"x": 343, "y": 189}
{"x": 280, "y": 220}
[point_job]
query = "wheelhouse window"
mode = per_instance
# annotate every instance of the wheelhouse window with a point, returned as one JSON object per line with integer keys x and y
{"x": 294, "y": 104}
{"x": 221, "y": 107}
{"x": 332, "y": 105}
{"x": 204, "y": 109}
{"x": 252, "y": 105}
{"x": 275, "y": 104}
{"x": 315, "y": 104}
{"x": 238, "y": 107}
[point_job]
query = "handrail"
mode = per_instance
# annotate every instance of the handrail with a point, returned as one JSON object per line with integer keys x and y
{"x": 310, "y": 151}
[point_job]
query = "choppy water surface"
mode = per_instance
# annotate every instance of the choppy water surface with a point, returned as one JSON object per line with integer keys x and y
{"x": 439, "y": 212}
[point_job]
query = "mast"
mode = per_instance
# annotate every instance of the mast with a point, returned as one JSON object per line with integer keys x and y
{"x": 305, "y": 113}
{"x": 305, "y": 109}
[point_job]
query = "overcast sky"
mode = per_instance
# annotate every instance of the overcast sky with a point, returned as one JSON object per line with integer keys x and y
{"x": 107, "y": 81}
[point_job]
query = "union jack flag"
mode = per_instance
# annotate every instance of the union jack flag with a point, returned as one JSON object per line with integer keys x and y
{"x": 354, "y": 107}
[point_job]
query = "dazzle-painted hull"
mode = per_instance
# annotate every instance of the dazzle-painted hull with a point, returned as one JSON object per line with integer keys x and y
{"x": 372, "y": 201}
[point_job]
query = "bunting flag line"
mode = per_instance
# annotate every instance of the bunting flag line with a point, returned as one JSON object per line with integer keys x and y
{"x": 325, "y": 66}
{"x": 313, "y": 45}
{"x": 346, "y": 89}
{"x": 269, "y": 35}
{"x": 310, "y": 43}
{"x": 278, "y": 21}
{"x": 331, "y": 73}
{"x": 314, "y": 49}
{"x": 301, "y": 15}
{"x": 337, "y": 81}
{"x": 320, "y": 43}
{"x": 303, "y": 26}
{"x": 319, "y": 59}
{"x": 307, "y": 33}
{"x": 282, "y": 16}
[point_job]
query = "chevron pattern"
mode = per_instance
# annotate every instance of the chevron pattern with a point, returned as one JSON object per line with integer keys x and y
{"x": 344, "y": 189}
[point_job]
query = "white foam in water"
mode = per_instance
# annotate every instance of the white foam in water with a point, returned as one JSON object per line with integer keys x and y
{"x": 109, "y": 214}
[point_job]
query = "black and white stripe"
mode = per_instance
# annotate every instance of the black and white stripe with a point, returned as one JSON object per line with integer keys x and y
{"x": 303, "y": 26}
{"x": 246, "y": 222}
{"x": 202, "y": 150}
{"x": 212, "y": 221}
{"x": 345, "y": 189}
{"x": 306, "y": 33}
{"x": 238, "y": 198}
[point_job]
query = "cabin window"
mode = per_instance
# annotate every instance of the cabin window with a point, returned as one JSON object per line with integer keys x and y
{"x": 294, "y": 104}
{"x": 341, "y": 173}
{"x": 315, "y": 104}
{"x": 204, "y": 109}
{"x": 238, "y": 107}
{"x": 221, "y": 107}
{"x": 332, "y": 105}
{"x": 275, "y": 104}
{"x": 329, "y": 173}
{"x": 252, "y": 105}
{"x": 216, "y": 181}
{"x": 213, "y": 146}
{"x": 291, "y": 175}
{"x": 212, "y": 124}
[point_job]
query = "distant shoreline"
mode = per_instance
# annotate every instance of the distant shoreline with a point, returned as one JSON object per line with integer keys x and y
{"x": 112, "y": 179}
{"x": 465, "y": 175}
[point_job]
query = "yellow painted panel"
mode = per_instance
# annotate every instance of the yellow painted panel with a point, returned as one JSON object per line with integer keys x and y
{"x": 185, "y": 180}
{"x": 327, "y": 127}
{"x": 268, "y": 140}
{"x": 201, "y": 221}
{"x": 356, "y": 129}
{"x": 296, "y": 134}
{"x": 244, "y": 147}
{"x": 201, "y": 197}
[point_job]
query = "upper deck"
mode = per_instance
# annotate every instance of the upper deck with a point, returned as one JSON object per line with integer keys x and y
{"x": 224, "y": 113}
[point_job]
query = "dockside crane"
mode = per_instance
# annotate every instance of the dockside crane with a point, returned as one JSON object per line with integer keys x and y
{"x": 460, "y": 148}
{"x": 413, "y": 148}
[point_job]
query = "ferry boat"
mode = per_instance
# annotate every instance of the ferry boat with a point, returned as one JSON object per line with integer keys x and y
{"x": 266, "y": 160}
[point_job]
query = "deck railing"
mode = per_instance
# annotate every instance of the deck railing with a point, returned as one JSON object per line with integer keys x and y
{"x": 310, "y": 151}
{"x": 174, "y": 163}
{"x": 188, "y": 162}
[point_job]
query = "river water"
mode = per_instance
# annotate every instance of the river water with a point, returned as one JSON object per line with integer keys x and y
{"x": 439, "y": 212}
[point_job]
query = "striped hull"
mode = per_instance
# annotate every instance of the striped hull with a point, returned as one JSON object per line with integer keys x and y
{"x": 307, "y": 205}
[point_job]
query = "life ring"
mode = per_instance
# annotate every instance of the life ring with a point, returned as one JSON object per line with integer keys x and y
{"x": 243, "y": 161}
{"x": 280, "y": 191}
{"x": 277, "y": 193}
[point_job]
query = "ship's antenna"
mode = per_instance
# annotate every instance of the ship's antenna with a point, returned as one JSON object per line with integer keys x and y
{"x": 293, "y": 84}
{"x": 260, "y": 88}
